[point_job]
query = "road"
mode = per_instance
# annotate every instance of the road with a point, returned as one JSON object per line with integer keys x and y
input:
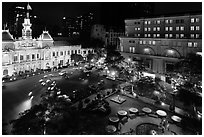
{"x": 15, "y": 97}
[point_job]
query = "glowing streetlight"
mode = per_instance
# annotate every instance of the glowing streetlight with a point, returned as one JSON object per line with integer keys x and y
{"x": 113, "y": 73}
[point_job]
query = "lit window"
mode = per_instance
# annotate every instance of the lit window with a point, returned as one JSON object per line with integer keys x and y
{"x": 166, "y": 28}
{"x": 149, "y": 22}
{"x": 192, "y": 20}
{"x": 192, "y": 35}
{"x": 154, "y": 35}
{"x": 197, "y": 35}
{"x": 158, "y": 21}
{"x": 166, "y": 35}
{"x": 197, "y": 19}
{"x": 195, "y": 44}
{"x": 170, "y": 35}
{"x": 138, "y": 35}
{"x": 158, "y": 28}
{"x": 145, "y": 35}
{"x": 145, "y": 29}
{"x": 130, "y": 49}
{"x": 170, "y": 21}
{"x": 182, "y": 28}
{"x": 145, "y": 22}
{"x": 197, "y": 28}
{"x": 189, "y": 44}
{"x": 150, "y": 42}
{"x": 158, "y": 35}
{"x": 166, "y": 21}
{"x": 140, "y": 42}
{"x": 135, "y": 28}
{"x": 154, "y": 29}
{"x": 177, "y": 28}
{"x": 138, "y": 28}
{"x": 133, "y": 49}
{"x": 182, "y": 35}
{"x": 149, "y": 35}
{"x": 177, "y": 35}
{"x": 192, "y": 27}
{"x": 153, "y": 42}
{"x": 170, "y": 28}
{"x": 149, "y": 29}
{"x": 144, "y": 42}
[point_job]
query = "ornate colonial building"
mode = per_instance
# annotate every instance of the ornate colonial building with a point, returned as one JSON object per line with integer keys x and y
{"x": 26, "y": 53}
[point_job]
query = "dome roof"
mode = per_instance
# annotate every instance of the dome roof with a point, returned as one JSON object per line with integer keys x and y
{"x": 6, "y": 36}
{"x": 46, "y": 36}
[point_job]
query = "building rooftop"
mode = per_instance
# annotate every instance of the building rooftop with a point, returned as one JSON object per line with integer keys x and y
{"x": 168, "y": 15}
{"x": 45, "y": 36}
{"x": 6, "y": 36}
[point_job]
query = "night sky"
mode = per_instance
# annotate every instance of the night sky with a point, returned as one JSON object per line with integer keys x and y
{"x": 53, "y": 12}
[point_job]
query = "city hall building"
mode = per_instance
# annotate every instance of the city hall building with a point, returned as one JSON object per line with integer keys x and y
{"x": 28, "y": 54}
{"x": 161, "y": 42}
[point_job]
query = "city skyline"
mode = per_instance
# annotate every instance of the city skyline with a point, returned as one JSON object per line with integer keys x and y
{"x": 51, "y": 13}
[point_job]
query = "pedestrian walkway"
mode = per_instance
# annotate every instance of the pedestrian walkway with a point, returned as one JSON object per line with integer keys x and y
{"x": 133, "y": 123}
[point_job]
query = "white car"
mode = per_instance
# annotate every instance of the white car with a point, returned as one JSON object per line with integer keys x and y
{"x": 43, "y": 83}
{"x": 45, "y": 76}
{"x": 41, "y": 80}
{"x": 62, "y": 73}
{"x": 47, "y": 81}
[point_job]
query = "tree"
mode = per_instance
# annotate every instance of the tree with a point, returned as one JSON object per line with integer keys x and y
{"x": 76, "y": 57}
{"x": 91, "y": 56}
{"x": 192, "y": 65}
{"x": 114, "y": 57}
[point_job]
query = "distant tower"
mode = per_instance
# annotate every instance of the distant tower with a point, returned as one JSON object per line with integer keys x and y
{"x": 27, "y": 31}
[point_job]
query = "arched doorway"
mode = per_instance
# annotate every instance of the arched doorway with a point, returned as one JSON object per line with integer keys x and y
{"x": 171, "y": 53}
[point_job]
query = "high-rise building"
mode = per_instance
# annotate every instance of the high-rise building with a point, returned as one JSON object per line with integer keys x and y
{"x": 79, "y": 25}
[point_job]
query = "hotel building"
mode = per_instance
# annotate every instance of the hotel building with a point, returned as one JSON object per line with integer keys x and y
{"x": 161, "y": 42}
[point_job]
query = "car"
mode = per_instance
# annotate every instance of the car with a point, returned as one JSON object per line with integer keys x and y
{"x": 12, "y": 79}
{"x": 43, "y": 83}
{"x": 45, "y": 76}
{"x": 62, "y": 73}
{"x": 47, "y": 81}
{"x": 41, "y": 80}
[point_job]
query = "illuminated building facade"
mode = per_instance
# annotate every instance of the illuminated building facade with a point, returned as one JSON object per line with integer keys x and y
{"x": 28, "y": 54}
{"x": 148, "y": 43}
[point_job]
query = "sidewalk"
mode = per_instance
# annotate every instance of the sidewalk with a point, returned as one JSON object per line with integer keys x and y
{"x": 163, "y": 106}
